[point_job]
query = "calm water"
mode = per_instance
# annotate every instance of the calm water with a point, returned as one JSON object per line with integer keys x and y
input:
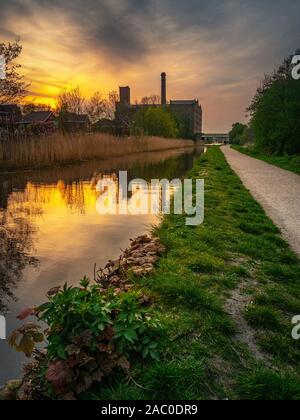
{"x": 51, "y": 233}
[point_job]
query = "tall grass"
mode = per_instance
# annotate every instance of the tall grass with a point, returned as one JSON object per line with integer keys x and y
{"x": 59, "y": 149}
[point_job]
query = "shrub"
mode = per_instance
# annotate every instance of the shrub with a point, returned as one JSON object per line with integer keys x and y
{"x": 237, "y": 134}
{"x": 90, "y": 336}
{"x": 156, "y": 122}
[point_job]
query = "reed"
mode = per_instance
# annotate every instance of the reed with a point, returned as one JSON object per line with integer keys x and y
{"x": 59, "y": 149}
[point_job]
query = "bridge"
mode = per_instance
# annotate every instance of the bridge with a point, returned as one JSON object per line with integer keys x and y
{"x": 215, "y": 138}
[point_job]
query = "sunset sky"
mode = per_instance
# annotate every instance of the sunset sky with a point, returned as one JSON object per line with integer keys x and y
{"x": 214, "y": 50}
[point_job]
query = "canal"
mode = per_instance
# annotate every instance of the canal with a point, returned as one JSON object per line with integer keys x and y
{"x": 51, "y": 232}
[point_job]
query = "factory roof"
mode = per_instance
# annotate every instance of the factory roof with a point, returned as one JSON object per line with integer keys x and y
{"x": 37, "y": 117}
{"x": 184, "y": 102}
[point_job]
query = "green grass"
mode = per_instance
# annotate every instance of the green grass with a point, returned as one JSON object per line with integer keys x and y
{"x": 262, "y": 317}
{"x": 290, "y": 163}
{"x": 201, "y": 357}
{"x": 264, "y": 384}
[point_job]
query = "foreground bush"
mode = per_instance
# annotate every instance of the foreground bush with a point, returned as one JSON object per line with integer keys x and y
{"x": 91, "y": 336}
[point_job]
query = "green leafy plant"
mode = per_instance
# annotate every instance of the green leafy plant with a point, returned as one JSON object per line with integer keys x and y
{"x": 90, "y": 335}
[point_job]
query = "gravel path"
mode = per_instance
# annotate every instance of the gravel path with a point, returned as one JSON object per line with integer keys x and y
{"x": 277, "y": 190}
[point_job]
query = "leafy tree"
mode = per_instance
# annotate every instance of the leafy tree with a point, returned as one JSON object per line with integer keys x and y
{"x": 248, "y": 135}
{"x": 275, "y": 111}
{"x": 184, "y": 124}
{"x": 238, "y": 133}
{"x": 13, "y": 88}
{"x": 156, "y": 122}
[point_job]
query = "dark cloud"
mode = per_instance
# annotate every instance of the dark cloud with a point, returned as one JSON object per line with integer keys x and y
{"x": 126, "y": 29}
{"x": 113, "y": 27}
{"x": 210, "y": 47}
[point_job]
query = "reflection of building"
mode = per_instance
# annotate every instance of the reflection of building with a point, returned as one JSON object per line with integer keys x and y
{"x": 188, "y": 111}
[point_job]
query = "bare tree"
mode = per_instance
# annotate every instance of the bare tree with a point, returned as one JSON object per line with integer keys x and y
{"x": 155, "y": 99}
{"x": 13, "y": 88}
{"x": 71, "y": 100}
{"x": 145, "y": 100}
{"x": 110, "y": 105}
{"x": 96, "y": 107}
{"x": 151, "y": 100}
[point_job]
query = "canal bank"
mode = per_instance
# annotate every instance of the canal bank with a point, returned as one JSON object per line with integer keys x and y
{"x": 51, "y": 232}
{"x": 225, "y": 293}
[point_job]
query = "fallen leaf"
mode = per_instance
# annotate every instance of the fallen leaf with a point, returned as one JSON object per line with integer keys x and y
{"x": 53, "y": 291}
{"x": 26, "y": 313}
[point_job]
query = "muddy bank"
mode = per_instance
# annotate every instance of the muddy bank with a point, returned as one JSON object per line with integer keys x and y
{"x": 138, "y": 259}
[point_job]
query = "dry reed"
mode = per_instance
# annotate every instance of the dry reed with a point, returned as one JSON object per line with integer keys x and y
{"x": 59, "y": 149}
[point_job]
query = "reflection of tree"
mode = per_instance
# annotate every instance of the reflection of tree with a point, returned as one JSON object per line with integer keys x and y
{"x": 15, "y": 245}
{"x": 74, "y": 195}
{"x": 27, "y": 196}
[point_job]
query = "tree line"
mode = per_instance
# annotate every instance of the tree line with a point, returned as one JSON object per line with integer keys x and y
{"x": 162, "y": 122}
{"x": 274, "y": 125}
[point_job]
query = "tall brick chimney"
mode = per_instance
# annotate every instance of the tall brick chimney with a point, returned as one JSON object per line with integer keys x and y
{"x": 164, "y": 89}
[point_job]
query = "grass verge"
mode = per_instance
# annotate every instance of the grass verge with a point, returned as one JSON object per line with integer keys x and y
{"x": 290, "y": 163}
{"x": 236, "y": 252}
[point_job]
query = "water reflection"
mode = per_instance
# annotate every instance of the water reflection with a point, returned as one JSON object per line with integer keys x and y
{"x": 51, "y": 233}
{"x": 16, "y": 246}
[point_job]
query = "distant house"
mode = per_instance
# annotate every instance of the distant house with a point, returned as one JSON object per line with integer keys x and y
{"x": 76, "y": 122}
{"x": 105, "y": 125}
{"x": 38, "y": 118}
{"x": 39, "y": 122}
{"x": 10, "y": 115}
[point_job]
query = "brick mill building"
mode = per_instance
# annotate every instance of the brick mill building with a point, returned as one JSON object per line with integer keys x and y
{"x": 189, "y": 111}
